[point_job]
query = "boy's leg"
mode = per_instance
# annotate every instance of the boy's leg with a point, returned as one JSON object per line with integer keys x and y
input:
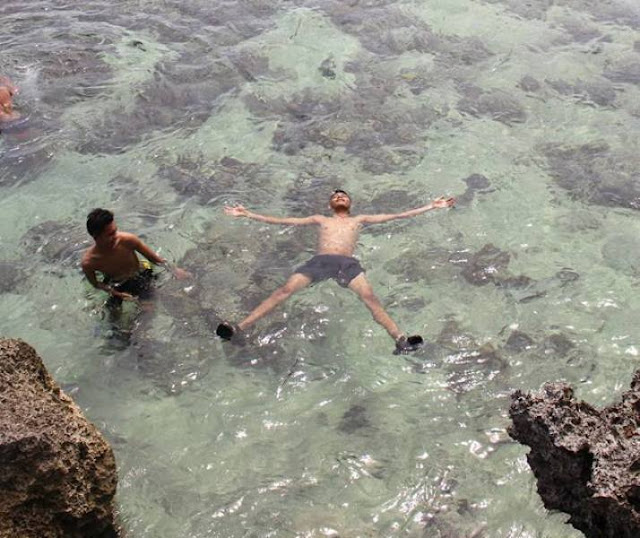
{"x": 361, "y": 286}
{"x": 296, "y": 282}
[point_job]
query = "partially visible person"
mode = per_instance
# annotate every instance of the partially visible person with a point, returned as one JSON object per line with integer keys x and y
{"x": 7, "y": 91}
{"x": 114, "y": 254}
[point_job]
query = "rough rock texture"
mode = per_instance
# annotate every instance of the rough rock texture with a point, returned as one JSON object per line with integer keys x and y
{"x": 58, "y": 474}
{"x": 586, "y": 460}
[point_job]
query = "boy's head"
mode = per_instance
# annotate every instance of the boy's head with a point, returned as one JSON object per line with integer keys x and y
{"x": 340, "y": 200}
{"x": 101, "y": 226}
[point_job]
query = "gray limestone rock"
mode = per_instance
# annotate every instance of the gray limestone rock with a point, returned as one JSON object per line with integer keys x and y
{"x": 58, "y": 475}
{"x": 586, "y": 460}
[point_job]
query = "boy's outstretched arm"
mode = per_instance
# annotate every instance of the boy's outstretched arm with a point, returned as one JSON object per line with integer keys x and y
{"x": 241, "y": 211}
{"x": 384, "y": 217}
{"x": 154, "y": 258}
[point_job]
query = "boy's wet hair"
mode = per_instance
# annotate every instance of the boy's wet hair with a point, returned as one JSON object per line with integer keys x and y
{"x": 98, "y": 220}
{"x": 340, "y": 190}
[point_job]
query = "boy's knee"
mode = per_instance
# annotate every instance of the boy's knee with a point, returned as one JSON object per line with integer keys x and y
{"x": 285, "y": 291}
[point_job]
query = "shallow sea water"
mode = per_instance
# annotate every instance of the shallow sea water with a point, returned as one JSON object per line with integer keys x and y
{"x": 165, "y": 110}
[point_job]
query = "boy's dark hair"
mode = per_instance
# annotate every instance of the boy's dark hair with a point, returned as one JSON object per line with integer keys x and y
{"x": 98, "y": 220}
{"x": 340, "y": 190}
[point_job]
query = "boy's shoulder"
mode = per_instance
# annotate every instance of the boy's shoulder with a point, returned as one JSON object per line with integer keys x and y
{"x": 128, "y": 239}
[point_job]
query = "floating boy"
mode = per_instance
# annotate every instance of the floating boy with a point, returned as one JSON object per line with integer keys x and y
{"x": 337, "y": 239}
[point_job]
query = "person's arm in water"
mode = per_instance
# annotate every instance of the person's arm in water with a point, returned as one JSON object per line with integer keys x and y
{"x": 93, "y": 280}
{"x": 240, "y": 211}
{"x": 385, "y": 217}
{"x": 139, "y": 246}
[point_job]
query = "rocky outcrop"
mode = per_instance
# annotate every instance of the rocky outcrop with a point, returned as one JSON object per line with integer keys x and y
{"x": 587, "y": 461}
{"x": 58, "y": 474}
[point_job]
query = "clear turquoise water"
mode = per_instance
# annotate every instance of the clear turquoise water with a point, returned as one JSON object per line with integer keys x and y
{"x": 164, "y": 110}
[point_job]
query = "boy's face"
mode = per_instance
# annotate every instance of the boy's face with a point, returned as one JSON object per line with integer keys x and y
{"x": 340, "y": 201}
{"x": 108, "y": 236}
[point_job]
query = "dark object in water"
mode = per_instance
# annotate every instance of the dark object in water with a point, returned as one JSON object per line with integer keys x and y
{"x": 225, "y": 331}
{"x": 138, "y": 45}
{"x": 328, "y": 68}
{"x": 407, "y": 344}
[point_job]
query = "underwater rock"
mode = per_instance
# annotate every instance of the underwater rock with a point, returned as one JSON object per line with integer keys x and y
{"x": 180, "y": 97}
{"x": 585, "y": 459}
{"x": 22, "y": 163}
{"x": 193, "y": 176}
{"x": 622, "y": 252}
{"x": 529, "y": 84}
{"x": 58, "y": 473}
{"x": 469, "y": 364}
{"x": 626, "y": 70}
{"x": 524, "y": 289}
{"x": 580, "y": 32}
{"x": 475, "y": 183}
{"x": 58, "y": 242}
{"x": 354, "y": 419}
{"x": 497, "y": 105}
{"x": 595, "y": 92}
{"x": 595, "y": 174}
{"x": 485, "y": 266}
{"x": 385, "y": 138}
{"x": 558, "y": 345}
{"x": 11, "y": 275}
{"x": 251, "y": 66}
{"x": 386, "y": 30}
{"x": 490, "y": 265}
{"x": 73, "y": 72}
{"x": 428, "y": 265}
{"x": 519, "y": 342}
{"x": 527, "y": 10}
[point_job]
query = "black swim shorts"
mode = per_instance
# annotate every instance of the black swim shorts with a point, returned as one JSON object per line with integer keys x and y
{"x": 343, "y": 269}
{"x": 138, "y": 285}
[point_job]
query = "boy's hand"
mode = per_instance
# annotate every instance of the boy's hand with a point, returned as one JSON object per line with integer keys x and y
{"x": 124, "y": 296}
{"x": 236, "y": 211}
{"x": 443, "y": 202}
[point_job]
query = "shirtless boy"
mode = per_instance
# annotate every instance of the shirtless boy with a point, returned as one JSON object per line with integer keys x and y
{"x": 7, "y": 91}
{"x": 114, "y": 255}
{"x": 334, "y": 259}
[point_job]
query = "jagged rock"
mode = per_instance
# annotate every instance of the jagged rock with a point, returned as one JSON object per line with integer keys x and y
{"x": 586, "y": 460}
{"x": 58, "y": 473}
